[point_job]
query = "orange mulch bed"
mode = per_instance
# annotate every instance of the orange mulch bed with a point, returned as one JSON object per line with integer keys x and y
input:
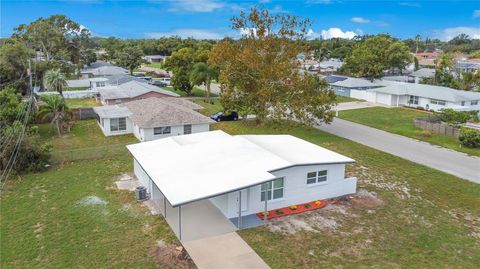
{"x": 294, "y": 209}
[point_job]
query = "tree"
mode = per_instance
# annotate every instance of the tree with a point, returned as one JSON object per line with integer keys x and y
{"x": 130, "y": 57}
{"x": 18, "y": 137}
{"x": 55, "y": 80}
{"x": 444, "y": 64}
{"x": 376, "y": 54}
{"x": 416, "y": 63}
{"x": 418, "y": 39}
{"x": 203, "y": 74}
{"x": 259, "y": 72}
{"x": 55, "y": 109}
{"x": 14, "y": 57}
{"x": 181, "y": 63}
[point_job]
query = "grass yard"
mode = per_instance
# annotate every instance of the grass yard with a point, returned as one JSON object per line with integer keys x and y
{"x": 75, "y": 88}
{"x": 345, "y": 99}
{"x": 196, "y": 92}
{"x": 428, "y": 219}
{"x": 81, "y": 102}
{"x": 154, "y": 65}
{"x": 86, "y": 141}
{"x": 209, "y": 109}
{"x": 72, "y": 215}
{"x": 400, "y": 121}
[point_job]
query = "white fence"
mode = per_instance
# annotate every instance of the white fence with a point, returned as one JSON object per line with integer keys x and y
{"x": 74, "y": 94}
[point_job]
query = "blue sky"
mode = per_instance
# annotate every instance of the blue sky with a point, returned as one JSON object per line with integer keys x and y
{"x": 210, "y": 18}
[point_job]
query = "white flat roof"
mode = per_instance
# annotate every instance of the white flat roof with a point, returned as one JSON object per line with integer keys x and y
{"x": 198, "y": 166}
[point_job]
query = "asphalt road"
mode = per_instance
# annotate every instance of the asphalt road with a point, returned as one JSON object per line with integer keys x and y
{"x": 448, "y": 161}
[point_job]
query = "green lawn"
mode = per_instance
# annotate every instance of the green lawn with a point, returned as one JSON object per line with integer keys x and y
{"x": 86, "y": 141}
{"x": 196, "y": 92}
{"x": 81, "y": 102}
{"x": 75, "y": 88}
{"x": 45, "y": 222}
{"x": 209, "y": 108}
{"x": 154, "y": 65}
{"x": 344, "y": 99}
{"x": 428, "y": 219}
{"x": 400, "y": 121}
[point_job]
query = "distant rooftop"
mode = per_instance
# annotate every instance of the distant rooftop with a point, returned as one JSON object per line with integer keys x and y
{"x": 131, "y": 89}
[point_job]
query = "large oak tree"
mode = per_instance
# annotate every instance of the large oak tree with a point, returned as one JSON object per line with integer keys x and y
{"x": 260, "y": 73}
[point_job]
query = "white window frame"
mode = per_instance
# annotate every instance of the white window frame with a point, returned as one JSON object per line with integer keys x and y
{"x": 474, "y": 102}
{"x": 100, "y": 84}
{"x": 117, "y": 120}
{"x": 162, "y": 130}
{"x": 185, "y": 127}
{"x": 413, "y": 100}
{"x": 438, "y": 102}
{"x": 320, "y": 177}
{"x": 270, "y": 189}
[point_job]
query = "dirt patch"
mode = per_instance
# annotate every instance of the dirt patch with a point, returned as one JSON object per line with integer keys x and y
{"x": 92, "y": 200}
{"x": 329, "y": 217}
{"x": 171, "y": 256}
{"x": 127, "y": 182}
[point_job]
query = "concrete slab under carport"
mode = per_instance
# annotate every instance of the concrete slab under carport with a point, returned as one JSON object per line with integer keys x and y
{"x": 199, "y": 220}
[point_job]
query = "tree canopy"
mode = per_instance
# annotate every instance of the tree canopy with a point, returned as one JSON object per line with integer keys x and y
{"x": 259, "y": 73}
{"x": 130, "y": 57}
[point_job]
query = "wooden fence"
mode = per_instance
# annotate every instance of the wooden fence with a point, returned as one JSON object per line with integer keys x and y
{"x": 436, "y": 127}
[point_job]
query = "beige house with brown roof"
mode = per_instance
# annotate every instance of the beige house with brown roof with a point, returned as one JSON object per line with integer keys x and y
{"x": 152, "y": 118}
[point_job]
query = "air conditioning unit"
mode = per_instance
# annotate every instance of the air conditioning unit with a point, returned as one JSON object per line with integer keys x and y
{"x": 141, "y": 193}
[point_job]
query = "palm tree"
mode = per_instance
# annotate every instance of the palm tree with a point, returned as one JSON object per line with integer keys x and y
{"x": 54, "y": 79}
{"x": 54, "y": 107}
{"x": 203, "y": 74}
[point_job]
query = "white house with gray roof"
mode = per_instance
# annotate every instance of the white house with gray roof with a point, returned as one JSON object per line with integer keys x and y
{"x": 102, "y": 69}
{"x": 152, "y": 118}
{"x": 428, "y": 97}
{"x": 130, "y": 91}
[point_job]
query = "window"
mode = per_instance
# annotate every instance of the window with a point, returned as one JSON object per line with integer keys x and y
{"x": 187, "y": 129}
{"x": 437, "y": 102}
{"x": 100, "y": 84}
{"x": 118, "y": 124}
{"x": 161, "y": 130}
{"x": 272, "y": 189}
{"x": 463, "y": 103}
{"x": 474, "y": 103}
{"x": 316, "y": 177}
{"x": 413, "y": 100}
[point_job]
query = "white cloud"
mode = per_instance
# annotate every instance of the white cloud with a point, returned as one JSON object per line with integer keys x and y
{"x": 201, "y": 6}
{"x": 449, "y": 33}
{"x": 476, "y": 13}
{"x": 410, "y": 4}
{"x": 359, "y": 20}
{"x": 186, "y": 33}
{"x": 337, "y": 32}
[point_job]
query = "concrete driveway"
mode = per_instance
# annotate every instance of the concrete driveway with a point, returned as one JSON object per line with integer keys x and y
{"x": 355, "y": 105}
{"x": 199, "y": 220}
{"x": 448, "y": 161}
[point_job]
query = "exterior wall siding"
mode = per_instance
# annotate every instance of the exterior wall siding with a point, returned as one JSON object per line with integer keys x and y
{"x": 106, "y": 127}
{"x": 146, "y": 134}
{"x": 296, "y": 190}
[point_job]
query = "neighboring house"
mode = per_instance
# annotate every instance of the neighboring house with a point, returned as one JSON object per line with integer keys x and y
{"x": 421, "y": 73}
{"x": 427, "y": 58}
{"x": 155, "y": 58}
{"x": 328, "y": 66}
{"x": 467, "y": 66}
{"x": 346, "y": 86}
{"x": 114, "y": 80}
{"x": 152, "y": 118}
{"x": 428, "y": 97}
{"x": 102, "y": 69}
{"x": 241, "y": 175}
{"x": 130, "y": 91}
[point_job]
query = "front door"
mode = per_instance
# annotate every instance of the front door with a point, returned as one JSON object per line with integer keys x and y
{"x": 187, "y": 129}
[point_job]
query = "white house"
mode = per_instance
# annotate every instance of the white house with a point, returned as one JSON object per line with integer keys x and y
{"x": 428, "y": 97}
{"x": 152, "y": 118}
{"x": 129, "y": 91}
{"x": 240, "y": 175}
{"x": 343, "y": 85}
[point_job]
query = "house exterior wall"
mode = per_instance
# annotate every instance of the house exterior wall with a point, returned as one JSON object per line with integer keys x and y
{"x": 146, "y": 134}
{"x": 124, "y": 100}
{"x": 106, "y": 127}
{"x": 296, "y": 190}
{"x": 364, "y": 95}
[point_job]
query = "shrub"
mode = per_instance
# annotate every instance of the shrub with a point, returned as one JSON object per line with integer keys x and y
{"x": 426, "y": 133}
{"x": 279, "y": 212}
{"x": 293, "y": 207}
{"x": 307, "y": 205}
{"x": 469, "y": 137}
{"x": 451, "y": 116}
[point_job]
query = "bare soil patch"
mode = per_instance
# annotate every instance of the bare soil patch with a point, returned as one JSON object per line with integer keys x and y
{"x": 172, "y": 256}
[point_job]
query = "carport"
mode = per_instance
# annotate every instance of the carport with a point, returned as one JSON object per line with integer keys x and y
{"x": 184, "y": 172}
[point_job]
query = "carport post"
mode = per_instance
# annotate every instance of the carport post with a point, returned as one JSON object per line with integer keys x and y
{"x": 239, "y": 209}
{"x": 165, "y": 206}
{"x": 180, "y": 223}
{"x": 265, "y": 214}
